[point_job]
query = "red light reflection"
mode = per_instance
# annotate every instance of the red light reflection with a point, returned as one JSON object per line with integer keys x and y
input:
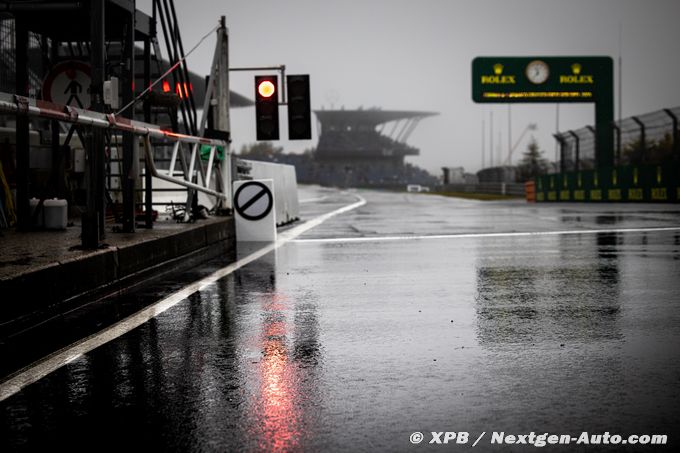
{"x": 183, "y": 89}
{"x": 278, "y": 411}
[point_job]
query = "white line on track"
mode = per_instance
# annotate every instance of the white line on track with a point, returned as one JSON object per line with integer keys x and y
{"x": 310, "y": 200}
{"x": 47, "y": 365}
{"x": 483, "y": 235}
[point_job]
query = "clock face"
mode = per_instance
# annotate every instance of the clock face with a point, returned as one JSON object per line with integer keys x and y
{"x": 537, "y": 71}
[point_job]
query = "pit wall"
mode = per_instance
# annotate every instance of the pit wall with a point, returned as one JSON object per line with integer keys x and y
{"x": 38, "y": 294}
{"x": 632, "y": 183}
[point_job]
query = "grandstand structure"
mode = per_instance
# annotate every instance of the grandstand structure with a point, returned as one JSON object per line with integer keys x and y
{"x": 366, "y": 148}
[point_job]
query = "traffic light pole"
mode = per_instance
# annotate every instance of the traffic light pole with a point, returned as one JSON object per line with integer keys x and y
{"x": 222, "y": 117}
{"x": 217, "y": 101}
{"x": 280, "y": 68}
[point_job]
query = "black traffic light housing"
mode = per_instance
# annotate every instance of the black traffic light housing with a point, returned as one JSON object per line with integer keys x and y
{"x": 299, "y": 113}
{"x": 267, "y": 107}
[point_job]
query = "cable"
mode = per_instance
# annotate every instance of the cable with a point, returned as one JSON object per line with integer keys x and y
{"x": 172, "y": 68}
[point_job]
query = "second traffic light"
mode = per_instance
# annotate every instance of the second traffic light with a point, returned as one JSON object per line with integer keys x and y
{"x": 299, "y": 114}
{"x": 267, "y": 107}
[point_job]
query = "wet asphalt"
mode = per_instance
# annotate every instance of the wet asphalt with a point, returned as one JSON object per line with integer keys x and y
{"x": 411, "y": 313}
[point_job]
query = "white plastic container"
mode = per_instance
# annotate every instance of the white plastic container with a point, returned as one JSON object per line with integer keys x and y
{"x": 37, "y": 220}
{"x": 56, "y": 214}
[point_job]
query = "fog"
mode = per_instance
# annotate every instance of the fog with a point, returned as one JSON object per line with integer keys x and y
{"x": 416, "y": 55}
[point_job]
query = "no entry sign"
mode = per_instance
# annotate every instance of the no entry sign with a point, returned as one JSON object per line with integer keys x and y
{"x": 253, "y": 200}
{"x": 254, "y": 212}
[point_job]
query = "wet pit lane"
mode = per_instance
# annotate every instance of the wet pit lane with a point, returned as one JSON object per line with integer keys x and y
{"x": 409, "y": 313}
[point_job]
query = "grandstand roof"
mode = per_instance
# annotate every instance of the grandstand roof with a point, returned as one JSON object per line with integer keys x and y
{"x": 368, "y": 117}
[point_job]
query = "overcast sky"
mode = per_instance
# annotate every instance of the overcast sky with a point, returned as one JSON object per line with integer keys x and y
{"x": 416, "y": 55}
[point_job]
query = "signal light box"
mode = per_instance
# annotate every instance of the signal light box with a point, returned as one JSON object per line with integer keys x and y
{"x": 267, "y": 107}
{"x": 299, "y": 111}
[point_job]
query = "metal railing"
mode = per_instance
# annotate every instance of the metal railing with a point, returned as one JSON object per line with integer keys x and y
{"x": 10, "y": 103}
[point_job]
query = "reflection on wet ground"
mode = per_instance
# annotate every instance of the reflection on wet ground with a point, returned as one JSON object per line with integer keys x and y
{"x": 577, "y": 297}
{"x": 353, "y": 346}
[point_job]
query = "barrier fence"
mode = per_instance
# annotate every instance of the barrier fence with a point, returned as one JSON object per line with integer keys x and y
{"x": 215, "y": 179}
{"x": 626, "y": 183}
{"x": 652, "y": 138}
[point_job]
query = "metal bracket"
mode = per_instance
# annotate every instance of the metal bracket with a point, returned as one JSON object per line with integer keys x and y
{"x": 22, "y": 103}
{"x": 71, "y": 112}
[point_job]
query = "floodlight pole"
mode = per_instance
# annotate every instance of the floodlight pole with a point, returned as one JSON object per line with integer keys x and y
{"x": 529, "y": 127}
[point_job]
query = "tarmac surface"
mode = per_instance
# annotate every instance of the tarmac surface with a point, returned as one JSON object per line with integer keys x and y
{"x": 409, "y": 313}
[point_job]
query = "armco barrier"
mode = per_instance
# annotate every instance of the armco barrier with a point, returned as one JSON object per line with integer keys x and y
{"x": 286, "y": 201}
{"x": 497, "y": 188}
{"x": 639, "y": 183}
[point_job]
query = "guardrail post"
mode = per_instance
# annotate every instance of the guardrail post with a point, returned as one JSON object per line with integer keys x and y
{"x": 577, "y": 157}
{"x": 675, "y": 135}
{"x": 594, "y": 132}
{"x": 561, "y": 142}
{"x": 148, "y": 179}
{"x": 643, "y": 138}
{"x": 22, "y": 138}
{"x": 129, "y": 177}
{"x": 93, "y": 219}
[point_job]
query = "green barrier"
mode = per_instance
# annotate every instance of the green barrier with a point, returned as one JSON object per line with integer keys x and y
{"x": 205, "y": 152}
{"x": 633, "y": 183}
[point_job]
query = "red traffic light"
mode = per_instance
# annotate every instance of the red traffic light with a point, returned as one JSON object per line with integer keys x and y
{"x": 266, "y": 89}
{"x": 267, "y": 107}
